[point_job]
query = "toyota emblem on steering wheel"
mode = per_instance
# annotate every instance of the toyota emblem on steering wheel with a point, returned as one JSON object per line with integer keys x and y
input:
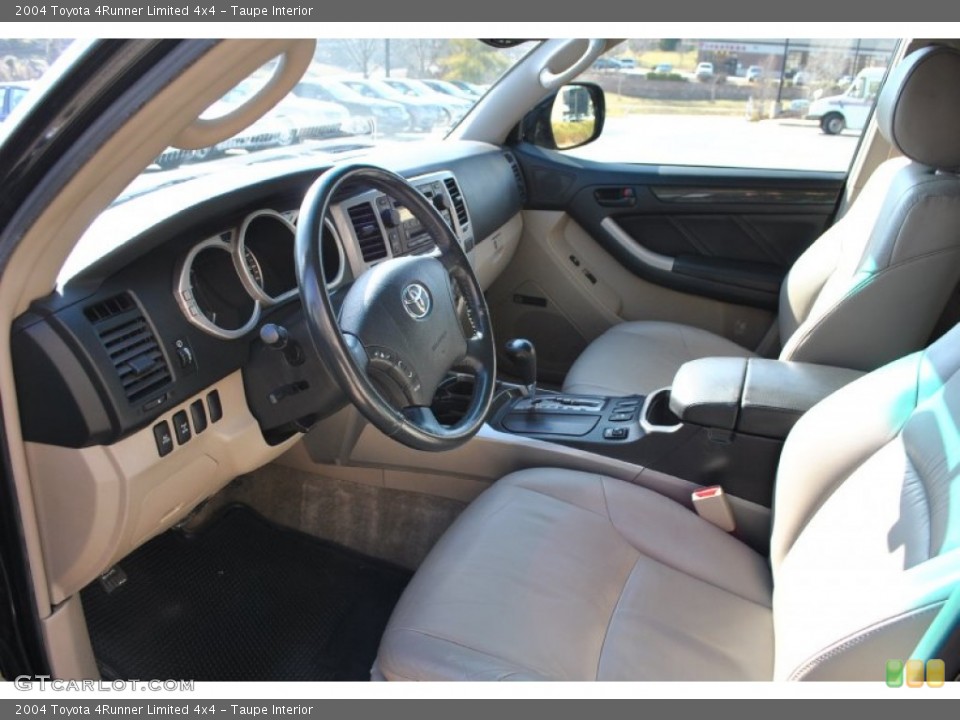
{"x": 416, "y": 301}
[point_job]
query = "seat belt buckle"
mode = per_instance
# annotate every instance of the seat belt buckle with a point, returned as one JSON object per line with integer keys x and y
{"x": 713, "y": 506}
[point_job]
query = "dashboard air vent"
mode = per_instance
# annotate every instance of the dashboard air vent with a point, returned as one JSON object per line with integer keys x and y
{"x": 457, "y": 200}
{"x": 518, "y": 175}
{"x": 131, "y": 346}
{"x": 365, "y": 225}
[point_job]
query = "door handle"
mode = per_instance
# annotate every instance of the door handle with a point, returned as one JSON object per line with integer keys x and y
{"x": 615, "y": 196}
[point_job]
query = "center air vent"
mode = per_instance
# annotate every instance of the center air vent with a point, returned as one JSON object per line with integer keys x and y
{"x": 457, "y": 201}
{"x": 518, "y": 175}
{"x": 365, "y": 225}
{"x": 131, "y": 346}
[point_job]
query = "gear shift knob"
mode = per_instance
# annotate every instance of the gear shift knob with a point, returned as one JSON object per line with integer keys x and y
{"x": 524, "y": 356}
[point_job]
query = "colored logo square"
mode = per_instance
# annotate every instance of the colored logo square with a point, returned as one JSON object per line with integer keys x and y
{"x": 914, "y": 673}
{"x": 936, "y": 672}
{"x": 894, "y": 673}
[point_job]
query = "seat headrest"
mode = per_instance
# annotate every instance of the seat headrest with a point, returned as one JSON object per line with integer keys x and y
{"x": 919, "y": 107}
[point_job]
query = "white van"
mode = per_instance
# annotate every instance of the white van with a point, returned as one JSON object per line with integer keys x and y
{"x": 851, "y": 109}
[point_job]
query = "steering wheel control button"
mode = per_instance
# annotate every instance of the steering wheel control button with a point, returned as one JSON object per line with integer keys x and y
{"x": 181, "y": 426}
{"x": 161, "y": 433}
{"x": 214, "y": 408}
{"x": 416, "y": 300}
{"x": 615, "y": 433}
{"x": 199, "y": 416}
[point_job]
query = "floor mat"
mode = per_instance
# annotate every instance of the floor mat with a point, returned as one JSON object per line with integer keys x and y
{"x": 243, "y": 599}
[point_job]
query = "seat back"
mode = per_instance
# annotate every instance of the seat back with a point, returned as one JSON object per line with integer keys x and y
{"x": 866, "y": 536}
{"x": 871, "y": 288}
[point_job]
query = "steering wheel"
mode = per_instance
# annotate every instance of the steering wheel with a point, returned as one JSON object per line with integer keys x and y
{"x": 398, "y": 333}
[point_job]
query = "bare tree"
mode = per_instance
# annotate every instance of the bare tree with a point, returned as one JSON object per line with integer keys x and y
{"x": 362, "y": 53}
{"x": 425, "y": 52}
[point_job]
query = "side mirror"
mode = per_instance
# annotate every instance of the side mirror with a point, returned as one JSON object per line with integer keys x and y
{"x": 569, "y": 118}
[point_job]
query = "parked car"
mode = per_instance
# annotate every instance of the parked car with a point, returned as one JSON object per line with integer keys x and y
{"x": 663, "y": 69}
{"x": 425, "y": 113}
{"x": 607, "y": 63}
{"x": 448, "y": 88}
{"x": 390, "y": 117}
{"x": 704, "y": 71}
{"x": 471, "y": 88}
{"x": 453, "y": 108}
{"x": 837, "y": 113}
{"x": 754, "y": 73}
{"x": 11, "y": 93}
{"x": 294, "y": 118}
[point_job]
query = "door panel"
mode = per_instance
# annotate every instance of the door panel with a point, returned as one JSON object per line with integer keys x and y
{"x": 721, "y": 233}
{"x": 707, "y": 247}
{"x": 563, "y": 289}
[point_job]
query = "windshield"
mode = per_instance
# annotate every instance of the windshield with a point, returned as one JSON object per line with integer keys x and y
{"x": 358, "y": 94}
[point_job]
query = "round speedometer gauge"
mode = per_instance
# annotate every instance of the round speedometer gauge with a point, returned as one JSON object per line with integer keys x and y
{"x": 256, "y": 272}
{"x": 210, "y": 293}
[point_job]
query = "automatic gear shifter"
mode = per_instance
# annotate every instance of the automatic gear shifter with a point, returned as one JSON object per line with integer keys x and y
{"x": 524, "y": 357}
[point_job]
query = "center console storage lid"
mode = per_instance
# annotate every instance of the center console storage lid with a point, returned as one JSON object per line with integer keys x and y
{"x": 755, "y": 396}
{"x": 708, "y": 391}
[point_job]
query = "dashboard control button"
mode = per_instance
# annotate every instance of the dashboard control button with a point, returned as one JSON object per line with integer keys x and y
{"x": 390, "y": 217}
{"x": 161, "y": 433}
{"x": 184, "y": 355}
{"x": 154, "y": 404}
{"x": 214, "y": 408}
{"x": 621, "y": 417}
{"x": 615, "y": 433}
{"x": 199, "y": 416}
{"x": 395, "y": 244}
{"x": 181, "y": 426}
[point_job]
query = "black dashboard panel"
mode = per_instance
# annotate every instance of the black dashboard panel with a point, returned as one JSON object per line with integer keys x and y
{"x": 115, "y": 349}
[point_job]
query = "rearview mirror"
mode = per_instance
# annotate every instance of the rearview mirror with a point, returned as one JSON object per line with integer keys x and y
{"x": 571, "y": 117}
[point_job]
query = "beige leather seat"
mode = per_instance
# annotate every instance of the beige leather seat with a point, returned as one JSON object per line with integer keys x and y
{"x": 871, "y": 288}
{"x": 562, "y": 575}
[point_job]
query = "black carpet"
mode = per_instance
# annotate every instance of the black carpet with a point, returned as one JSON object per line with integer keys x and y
{"x": 243, "y": 599}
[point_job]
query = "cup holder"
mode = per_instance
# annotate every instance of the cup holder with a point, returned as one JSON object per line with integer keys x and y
{"x": 656, "y": 415}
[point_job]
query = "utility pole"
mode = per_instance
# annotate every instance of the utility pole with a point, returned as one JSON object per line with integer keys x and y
{"x": 386, "y": 56}
{"x": 783, "y": 72}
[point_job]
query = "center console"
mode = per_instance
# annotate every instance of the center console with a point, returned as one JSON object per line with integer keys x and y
{"x": 723, "y": 421}
{"x": 591, "y": 420}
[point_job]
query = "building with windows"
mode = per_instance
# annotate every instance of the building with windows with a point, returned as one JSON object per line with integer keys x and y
{"x": 824, "y": 59}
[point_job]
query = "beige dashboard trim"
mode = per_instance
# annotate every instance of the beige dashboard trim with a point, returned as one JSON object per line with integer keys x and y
{"x": 33, "y": 267}
{"x": 493, "y": 253}
{"x": 97, "y": 504}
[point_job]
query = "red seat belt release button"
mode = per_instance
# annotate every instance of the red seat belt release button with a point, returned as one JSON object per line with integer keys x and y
{"x": 713, "y": 506}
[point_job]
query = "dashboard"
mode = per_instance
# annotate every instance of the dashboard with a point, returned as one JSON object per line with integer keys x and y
{"x": 144, "y": 384}
{"x": 179, "y": 304}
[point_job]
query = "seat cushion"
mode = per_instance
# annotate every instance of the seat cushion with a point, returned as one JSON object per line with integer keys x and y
{"x": 640, "y": 357}
{"x": 563, "y": 575}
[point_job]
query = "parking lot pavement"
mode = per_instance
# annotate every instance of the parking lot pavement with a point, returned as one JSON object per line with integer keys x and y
{"x": 722, "y": 141}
